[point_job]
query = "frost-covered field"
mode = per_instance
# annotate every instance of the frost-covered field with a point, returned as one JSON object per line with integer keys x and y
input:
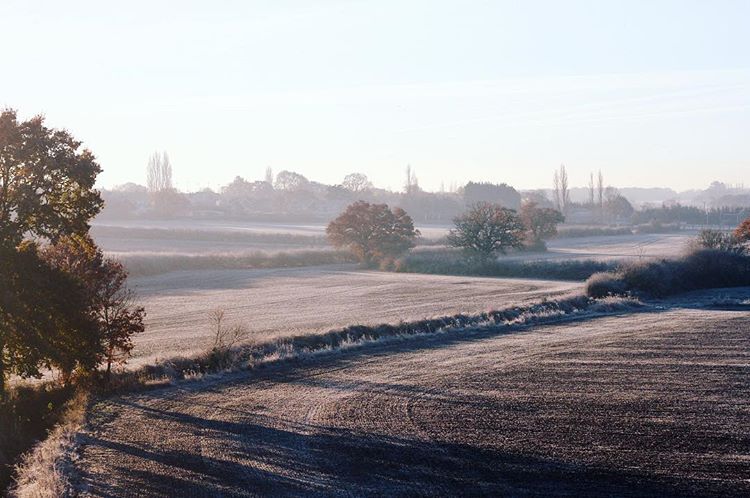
{"x": 204, "y": 237}
{"x": 619, "y": 247}
{"x": 645, "y": 404}
{"x": 288, "y": 301}
{"x": 278, "y": 302}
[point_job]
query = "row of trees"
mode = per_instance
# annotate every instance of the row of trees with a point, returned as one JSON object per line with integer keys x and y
{"x": 375, "y": 232}
{"x": 63, "y": 304}
{"x": 290, "y": 195}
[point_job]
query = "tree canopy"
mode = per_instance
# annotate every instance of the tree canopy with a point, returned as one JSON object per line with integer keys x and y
{"x": 502, "y": 194}
{"x": 43, "y": 318}
{"x": 63, "y": 305}
{"x": 356, "y": 182}
{"x": 742, "y": 232}
{"x": 541, "y": 223}
{"x": 373, "y": 231}
{"x": 46, "y": 181}
{"x": 487, "y": 229}
{"x": 109, "y": 302}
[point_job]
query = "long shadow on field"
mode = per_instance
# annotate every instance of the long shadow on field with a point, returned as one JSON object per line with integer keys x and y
{"x": 254, "y": 456}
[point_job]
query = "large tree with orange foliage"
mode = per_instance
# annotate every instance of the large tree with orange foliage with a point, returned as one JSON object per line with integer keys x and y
{"x": 373, "y": 231}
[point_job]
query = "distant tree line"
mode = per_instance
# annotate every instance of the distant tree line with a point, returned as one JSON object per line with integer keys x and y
{"x": 290, "y": 196}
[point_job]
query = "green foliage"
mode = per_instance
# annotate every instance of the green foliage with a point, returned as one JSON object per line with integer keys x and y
{"x": 487, "y": 230}
{"x": 46, "y": 183}
{"x": 109, "y": 303}
{"x": 43, "y": 318}
{"x": 63, "y": 306}
{"x": 373, "y": 232}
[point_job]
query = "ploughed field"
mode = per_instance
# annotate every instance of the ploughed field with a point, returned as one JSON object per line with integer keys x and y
{"x": 646, "y": 404}
{"x": 288, "y": 301}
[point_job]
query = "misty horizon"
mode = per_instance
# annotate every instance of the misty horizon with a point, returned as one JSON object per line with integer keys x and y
{"x": 653, "y": 94}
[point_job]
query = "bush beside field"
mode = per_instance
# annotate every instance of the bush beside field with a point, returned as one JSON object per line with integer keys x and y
{"x": 700, "y": 269}
{"x": 453, "y": 262}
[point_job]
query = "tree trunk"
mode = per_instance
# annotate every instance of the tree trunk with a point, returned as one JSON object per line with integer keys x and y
{"x": 110, "y": 354}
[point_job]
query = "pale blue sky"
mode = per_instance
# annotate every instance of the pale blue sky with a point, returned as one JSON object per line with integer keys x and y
{"x": 652, "y": 92}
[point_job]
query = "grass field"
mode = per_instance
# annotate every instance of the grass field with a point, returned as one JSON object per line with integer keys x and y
{"x": 648, "y": 404}
{"x": 284, "y": 301}
{"x": 278, "y": 302}
{"x": 177, "y": 237}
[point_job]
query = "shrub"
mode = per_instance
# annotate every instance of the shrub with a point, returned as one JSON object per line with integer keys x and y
{"x": 452, "y": 262}
{"x": 700, "y": 269}
{"x": 605, "y": 284}
{"x": 721, "y": 241}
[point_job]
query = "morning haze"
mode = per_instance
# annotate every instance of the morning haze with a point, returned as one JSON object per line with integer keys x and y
{"x": 360, "y": 248}
{"x": 657, "y": 93}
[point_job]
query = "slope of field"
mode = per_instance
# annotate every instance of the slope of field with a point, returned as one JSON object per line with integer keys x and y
{"x": 289, "y": 301}
{"x": 615, "y": 247}
{"x": 651, "y": 404}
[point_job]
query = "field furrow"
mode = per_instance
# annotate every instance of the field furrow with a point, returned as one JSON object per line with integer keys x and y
{"x": 652, "y": 404}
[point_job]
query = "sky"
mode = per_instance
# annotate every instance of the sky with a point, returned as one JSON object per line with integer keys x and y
{"x": 653, "y": 93}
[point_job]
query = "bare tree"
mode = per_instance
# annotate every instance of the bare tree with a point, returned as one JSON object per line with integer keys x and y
{"x": 153, "y": 172}
{"x": 356, "y": 182}
{"x": 556, "y": 190}
{"x": 166, "y": 172}
{"x": 412, "y": 184}
{"x": 269, "y": 175}
{"x": 159, "y": 173}
{"x": 290, "y": 181}
{"x": 225, "y": 337}
{"x": 561, "y": 189}
{"x": 600, "y": 190}
{"x": 591, "y": 189}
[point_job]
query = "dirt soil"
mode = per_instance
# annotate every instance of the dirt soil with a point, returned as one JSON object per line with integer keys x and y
{"x": 647, "y": 404}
